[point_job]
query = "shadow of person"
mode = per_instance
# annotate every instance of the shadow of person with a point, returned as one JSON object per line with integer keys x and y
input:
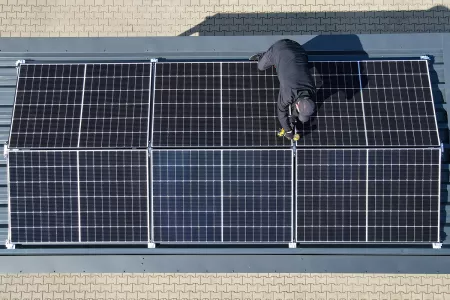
{"x": 336, "y": 74}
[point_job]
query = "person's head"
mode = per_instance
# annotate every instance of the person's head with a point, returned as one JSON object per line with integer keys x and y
{"x": 305, "y": 108}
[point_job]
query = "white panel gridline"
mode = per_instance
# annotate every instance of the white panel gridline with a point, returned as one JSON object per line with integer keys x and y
{"x": 214, "y": 196}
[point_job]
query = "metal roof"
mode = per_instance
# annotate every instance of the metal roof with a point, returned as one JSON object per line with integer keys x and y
{"x": 339, "y": 258}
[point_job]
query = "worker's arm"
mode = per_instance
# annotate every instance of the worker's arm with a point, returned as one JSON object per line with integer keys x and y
{"x": 283, "y": 115}
{"x": 266, "y": 60}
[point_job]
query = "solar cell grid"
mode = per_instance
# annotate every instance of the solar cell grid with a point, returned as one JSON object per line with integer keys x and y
{"x": 204, "y": 196}
{"x": 257, "y": 196}
{"x": 331, "y": 195}
{"x": 113, "y": 196}
{"x": 47, "y": 106}
{"x": 339, "y": 117}
{"x": 403, "y": 195}
{"x": 81, "y": 105}
{"x": 186, "y": 189}
{"x": 398, "y": 104}
{"x": 115, "y": 106}
{"x": 249, "y": 99}
{"x": 43, "y": 197}
{"x": 186, "y": 105}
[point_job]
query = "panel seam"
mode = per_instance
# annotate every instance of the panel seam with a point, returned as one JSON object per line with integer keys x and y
{"x": 362, "y": 102}
{"x": 82, "y": 105}
{"x": 79, "y": 196}
{"x": 367, "y": 195}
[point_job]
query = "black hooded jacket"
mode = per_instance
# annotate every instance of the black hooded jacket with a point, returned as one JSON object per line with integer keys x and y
{"x": 291, "y": 63}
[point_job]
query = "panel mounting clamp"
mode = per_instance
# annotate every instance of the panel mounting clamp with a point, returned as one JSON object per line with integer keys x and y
{"x": 5, "y": 151}
{"x": 437, "y": 245}
{"x": 153, "y": 60}
{"x": 19, "y": 62}
{"x": 151, "y": 245}
{"x": 425, "y": 57}
{"x": 442, "y": 147}
{"x": 292, "y": 245}
{"x": 9, "y": 245}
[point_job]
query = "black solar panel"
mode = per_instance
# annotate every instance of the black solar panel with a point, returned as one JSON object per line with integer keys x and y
{"x": 47, "y": 107}
{"x": 257, "y": 196}
{"x": 331, "y": 195}
{"x": 339, "y": 117}
{"x": 249, "y": 99}
{"x": 398, "y": 104}
{"x": 113, "y": 196}
{"x": 43, "y": 193}
{"x": 186, "y": 105}
{"x": 78, "y": 105}
{"x": 115, "y": 106}
{"x": 222, "y": 195}
{"x": 403, "y": 195}
{"x": 186, "y": 194}
{"x": 368, "y": 195}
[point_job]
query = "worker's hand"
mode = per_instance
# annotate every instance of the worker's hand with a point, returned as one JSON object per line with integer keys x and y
{"x": 289, "y": 135}
{"x": 281, "y": 132}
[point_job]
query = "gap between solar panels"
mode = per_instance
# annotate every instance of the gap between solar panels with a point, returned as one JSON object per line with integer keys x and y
{"x": 206, "y": 180}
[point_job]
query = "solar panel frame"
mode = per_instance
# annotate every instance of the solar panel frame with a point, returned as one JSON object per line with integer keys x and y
{"x": 127, "y": 179}
{"x": 201, "y": 200}
{"x": 227, "y": 189}
{"x": 82, "y": 91}
{"x": 377, "y": 120}
{"x": 345, "y": 184}
{"x": 434, "y": 154}
{"x": 125, "y": 90}
{"x": 79, "y": 211}
{"x": 335, "y": 88}
{"x": 72, "y": 198}
{"x": 239, "y": 91}
{"x": 369, "y": 169}
{"x": 21, "y": 68}
{"x": 187, "y": 85}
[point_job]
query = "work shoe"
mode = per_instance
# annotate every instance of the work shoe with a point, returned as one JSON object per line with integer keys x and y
{"x": 256, "y": 57}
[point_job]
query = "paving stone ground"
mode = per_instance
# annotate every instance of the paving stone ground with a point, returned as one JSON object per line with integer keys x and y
{"x": 219, "y": 17}
{"x": 225, "y": 286}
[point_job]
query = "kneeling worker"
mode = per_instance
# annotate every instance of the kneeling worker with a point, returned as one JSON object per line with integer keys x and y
{"x": 297, "y": 88}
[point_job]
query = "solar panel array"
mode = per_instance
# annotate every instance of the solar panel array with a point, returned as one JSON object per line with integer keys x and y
{"x": 215, "y": 172}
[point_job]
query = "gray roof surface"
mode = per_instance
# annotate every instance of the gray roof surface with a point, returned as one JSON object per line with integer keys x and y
{"x": 349, "y": 47}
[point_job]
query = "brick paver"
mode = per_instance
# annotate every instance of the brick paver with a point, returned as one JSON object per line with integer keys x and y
{"x": 219, "y": 17}
{"x": 224, "y": 286}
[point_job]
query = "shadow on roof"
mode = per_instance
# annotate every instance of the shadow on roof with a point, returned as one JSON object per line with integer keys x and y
{"x": 435, "y": 19}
